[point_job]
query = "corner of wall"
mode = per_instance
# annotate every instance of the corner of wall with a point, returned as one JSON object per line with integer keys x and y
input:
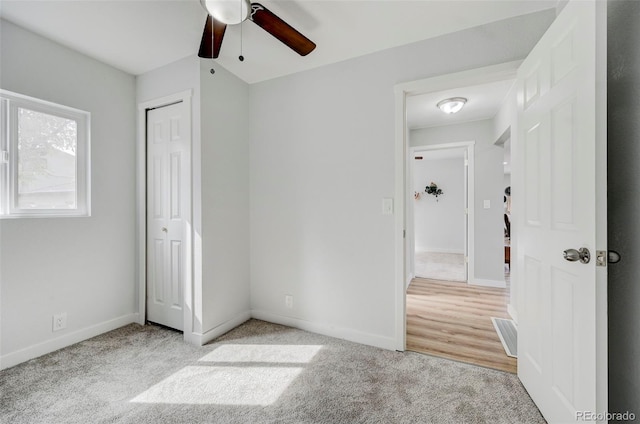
{"x": 224, "y": 157}
{"x": 388, "y": 343}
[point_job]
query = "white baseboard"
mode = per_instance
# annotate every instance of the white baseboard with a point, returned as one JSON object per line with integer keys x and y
{"x": 23, "y": 355}
{"x": 439, "y": 250}
{"x": 351, "y": 335}
{"x": 512, "y": 312}
{"x": 488, "y": 283}
{"x": 219, "y": 330}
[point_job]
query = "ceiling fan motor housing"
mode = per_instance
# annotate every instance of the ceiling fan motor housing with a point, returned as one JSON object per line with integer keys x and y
{"x": 230, "y": 12}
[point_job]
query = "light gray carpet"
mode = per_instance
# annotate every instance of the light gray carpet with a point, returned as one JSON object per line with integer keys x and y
{"x": 257, "y": 373}
{"x": 440, "y": 266}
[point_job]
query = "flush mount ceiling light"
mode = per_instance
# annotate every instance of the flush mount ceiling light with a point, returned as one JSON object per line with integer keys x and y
{"x": 229, "y": 12}
{"x": 452, "y": 105}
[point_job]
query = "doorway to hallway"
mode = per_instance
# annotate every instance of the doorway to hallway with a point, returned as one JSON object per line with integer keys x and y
{"x": 440, "y": 212}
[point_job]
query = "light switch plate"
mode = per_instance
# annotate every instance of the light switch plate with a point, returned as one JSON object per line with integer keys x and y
{"x": 487, "y": 204}
{"x": 387, "y": 206}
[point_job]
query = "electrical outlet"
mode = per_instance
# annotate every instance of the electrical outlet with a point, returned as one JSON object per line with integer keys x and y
{"x": 60, "y": 321}
{"x": 288, "y": 301}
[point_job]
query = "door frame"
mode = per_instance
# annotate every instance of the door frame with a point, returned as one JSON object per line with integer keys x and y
{"x": 476, "y": 76}
{"x": 141, "y": 206}
{"x": 469, "y": 148}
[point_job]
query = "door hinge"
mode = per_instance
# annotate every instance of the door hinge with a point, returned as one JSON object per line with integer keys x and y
{"x": 404, "y": 233}
{"x": 466, "y": 162}
{"x": 4, "y": 156}
{"x": 466, "y": 259}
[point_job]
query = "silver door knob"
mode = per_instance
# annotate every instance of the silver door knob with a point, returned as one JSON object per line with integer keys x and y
{"x": 164, "y": 229}
{"x": 572, "y": 255}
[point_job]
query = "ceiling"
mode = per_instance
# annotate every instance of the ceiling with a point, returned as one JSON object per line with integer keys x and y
{"x": 137, "y": 36}
{"x": 483, "y": 102}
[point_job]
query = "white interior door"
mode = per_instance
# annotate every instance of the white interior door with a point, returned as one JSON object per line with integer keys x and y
{"x": 168, "y": 143}
{"x": 560, "y": 151}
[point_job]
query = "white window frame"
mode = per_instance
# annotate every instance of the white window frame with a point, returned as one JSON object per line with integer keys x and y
{"x": 9, "y": 104}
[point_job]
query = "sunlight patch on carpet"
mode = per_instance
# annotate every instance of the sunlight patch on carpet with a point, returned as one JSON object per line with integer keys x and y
{"x": 221, "y": 386}
{"x": 276, "y": 354}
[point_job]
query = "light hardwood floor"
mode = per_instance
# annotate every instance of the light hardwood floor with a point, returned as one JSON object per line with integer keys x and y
{"x": 453, "y": 320}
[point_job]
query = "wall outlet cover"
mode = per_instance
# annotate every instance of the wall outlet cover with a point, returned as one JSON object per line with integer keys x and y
{"x": 60, "y": 321}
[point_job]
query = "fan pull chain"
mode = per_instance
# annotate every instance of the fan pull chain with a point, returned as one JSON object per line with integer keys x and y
{"x": 213, "y": 37}
{"x": 241, "y": 57}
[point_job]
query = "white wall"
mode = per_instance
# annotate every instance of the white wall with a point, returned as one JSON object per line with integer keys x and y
{"x": 506, "y": 117}
{"x": 505, "y": 131}
{"x": 82, "y": 266}
{"x": 623, "y": 85}
{"x": 439, "y": 223}
{"x": 220, "y": 172}
{"x": 225, "y": 198}
{"x": 322, "y": 159}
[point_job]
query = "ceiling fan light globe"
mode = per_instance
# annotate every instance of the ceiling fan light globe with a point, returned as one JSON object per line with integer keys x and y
{"x": 453, "y": 105}
{"x": 230, "y": 12}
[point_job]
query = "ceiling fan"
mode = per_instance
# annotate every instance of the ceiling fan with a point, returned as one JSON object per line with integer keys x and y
{"x": 231, "y": 12}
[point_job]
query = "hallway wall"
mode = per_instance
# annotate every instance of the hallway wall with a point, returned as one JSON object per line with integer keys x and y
{"x": 624, "y": 204}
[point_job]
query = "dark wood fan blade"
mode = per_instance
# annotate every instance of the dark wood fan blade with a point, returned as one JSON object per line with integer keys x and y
{"x": 284, "y": 32}
{"x": 212, "y": 38}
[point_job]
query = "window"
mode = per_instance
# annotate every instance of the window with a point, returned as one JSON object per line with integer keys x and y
{"x": 44, "y": 166}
